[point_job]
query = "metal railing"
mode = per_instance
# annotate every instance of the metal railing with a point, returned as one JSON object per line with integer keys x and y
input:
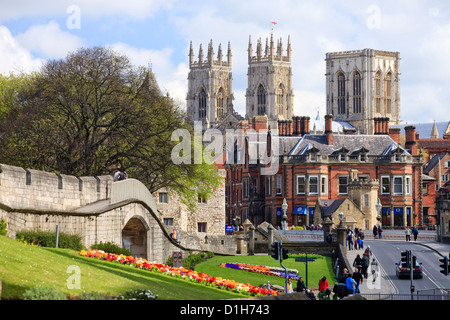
{"x": 418, "y": 296}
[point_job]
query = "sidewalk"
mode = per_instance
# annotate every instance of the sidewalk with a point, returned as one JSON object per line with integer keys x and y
{"x": 382, "y": 284}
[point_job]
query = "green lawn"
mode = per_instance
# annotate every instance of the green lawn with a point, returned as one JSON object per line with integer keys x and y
{"x": 322, "y": 266}
{"x": 23, "y": 267}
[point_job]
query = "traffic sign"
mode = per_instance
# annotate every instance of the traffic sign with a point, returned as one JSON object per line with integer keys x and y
{"x": 177, "y": 259}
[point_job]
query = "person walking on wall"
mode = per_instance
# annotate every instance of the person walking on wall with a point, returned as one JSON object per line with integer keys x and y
{"x": 357, "y": 276}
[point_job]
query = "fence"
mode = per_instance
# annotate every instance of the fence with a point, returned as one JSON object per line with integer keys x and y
{"x": 422, "y": 296}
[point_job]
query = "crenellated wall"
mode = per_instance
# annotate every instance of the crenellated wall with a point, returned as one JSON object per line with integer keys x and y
{"x": 98, "y": 210}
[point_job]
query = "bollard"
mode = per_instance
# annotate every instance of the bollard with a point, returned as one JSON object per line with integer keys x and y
{"x": 57, "y": 236}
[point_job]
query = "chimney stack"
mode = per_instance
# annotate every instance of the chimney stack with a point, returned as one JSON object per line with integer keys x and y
{"x": 410, "y": 137}
{"x": 329, "y": 128}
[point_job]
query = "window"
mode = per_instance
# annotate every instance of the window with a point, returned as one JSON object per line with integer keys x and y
{"x": 201, "y": 226}
{"x": 245, "y": 188}
{"x": 444, "y": 178}
{"x": 163, "y": 197}
{"x": 323, "y": 185}
{"x": 168, "y": 221}
{"x": 378, "y": 92}
{"x": 356, "y": 93}
{"x": 343, "y": 184}
{"x": 301, "y": 186}
{"x": 313, "y": 185}
{"x": 385, "y": 185}
{"x": 202, "y": 104}
{"x": 220, "y": 105}
{"x": 408, "y": 185}
{"x": 425, "y": 188}
{"x": 362, "y": 157}
{"x": 201, "y": 199}
{"x": 280, "y": 99}
{"x": 341, "y": 93}
{"x": 366, "y": 200}
{"x": 398, "y": 185}
{"x": 269, "y": 186}
{"x": 387, "y": 92}
{"x": 342, "y": 157}
{"x": 278, "y": 186}
{"x": 261, "y": 101}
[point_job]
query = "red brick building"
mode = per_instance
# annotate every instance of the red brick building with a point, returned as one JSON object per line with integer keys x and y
{"x": 320, "y": 166}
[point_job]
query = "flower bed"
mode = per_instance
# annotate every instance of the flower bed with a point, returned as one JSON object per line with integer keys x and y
{"x": 182, "y": 273}
{"x": 271, "y": 271}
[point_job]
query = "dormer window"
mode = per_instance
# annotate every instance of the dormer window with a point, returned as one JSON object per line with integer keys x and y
{"x": 362, "y": 157}
{"x": 342, "y": 157}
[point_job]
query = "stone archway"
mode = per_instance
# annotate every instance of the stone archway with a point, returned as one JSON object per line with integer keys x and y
{"x": 134, "y": 237}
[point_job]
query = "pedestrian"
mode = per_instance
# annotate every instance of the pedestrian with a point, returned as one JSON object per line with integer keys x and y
{"x": 362, "y": 240}
{"x": 368, "y": 251}
{"x": 365, "y": 265}
{"x": 415, "y": 232}
{"x": 357, "y": 276}
{"x": 408, "y": 234}
{"x": 289, "y": 286}
{"x": 344, "y": 276}
{"x": 350, "y": 284}
{"x": 357, "y": 263}
{"x": 359, "y": 242}
{"x": 374, "y": 269}
{"x": 300, "y": 285}
{"x": 380, "y": 231}
{"x": 323, "y": 284}
{"x": 350, "y": 241}
{"x": 375, "y": 232}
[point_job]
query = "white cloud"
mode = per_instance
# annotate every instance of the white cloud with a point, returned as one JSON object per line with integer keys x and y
{"x": 49, "y": 40}
{"x": 15, "y": 58}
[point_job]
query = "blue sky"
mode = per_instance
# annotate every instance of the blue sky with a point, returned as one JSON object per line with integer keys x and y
{"x": 158, "y": 32}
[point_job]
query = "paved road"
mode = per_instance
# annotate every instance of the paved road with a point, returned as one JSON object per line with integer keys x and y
{"x": 388, "y": 253}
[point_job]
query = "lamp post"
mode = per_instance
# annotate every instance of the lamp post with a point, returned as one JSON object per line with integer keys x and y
{"x": 341, "y": 218}
{"x": 284, "y": 207}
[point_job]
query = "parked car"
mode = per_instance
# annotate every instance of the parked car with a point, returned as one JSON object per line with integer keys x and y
{"x": 403, "y": 271}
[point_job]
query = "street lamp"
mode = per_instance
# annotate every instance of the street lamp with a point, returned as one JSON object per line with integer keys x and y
{"x": 341, "y": 218}
{"x": 284, "y": 207}
{"x": 378, "y": 207}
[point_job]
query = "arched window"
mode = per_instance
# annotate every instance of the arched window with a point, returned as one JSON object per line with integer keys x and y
{"x": 356, "y": 92}
{"x": 220, "y": 104}
{"x": 341, "y": 93}
{"x": 387, "y": 92}
{"x": 202, "y": 104}
{"x": 378, "y": 92}
{"x": 261, "y": 100}
{"x": 280, "y": 99}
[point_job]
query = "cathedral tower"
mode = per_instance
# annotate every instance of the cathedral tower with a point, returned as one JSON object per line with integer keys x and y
{"x": 210, "y": 95}
{"x": 363, "y": 85}
{"x": 269, "y": 90}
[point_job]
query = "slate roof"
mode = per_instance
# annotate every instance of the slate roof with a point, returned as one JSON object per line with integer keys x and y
{"x": 432, "y": 163}
{"x": 373, "y": 144}
{"x": 329, "y": 206}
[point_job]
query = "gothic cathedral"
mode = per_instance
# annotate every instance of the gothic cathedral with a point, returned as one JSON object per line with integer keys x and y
{"x": 363, "y": 85}
{"x": 269, "y": 93}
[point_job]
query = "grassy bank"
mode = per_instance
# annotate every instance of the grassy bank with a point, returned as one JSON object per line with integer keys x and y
{"x": 24, "y": 267}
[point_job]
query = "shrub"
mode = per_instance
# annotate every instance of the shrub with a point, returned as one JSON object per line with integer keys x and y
{"x": 44, "y": 293}
{"x": 138, "y": 295}
{"x": 48, "y": 239}
{"x": 194, "y": 259}
{"x": 2, "y": 227}
{"x": 110, "y": 247}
